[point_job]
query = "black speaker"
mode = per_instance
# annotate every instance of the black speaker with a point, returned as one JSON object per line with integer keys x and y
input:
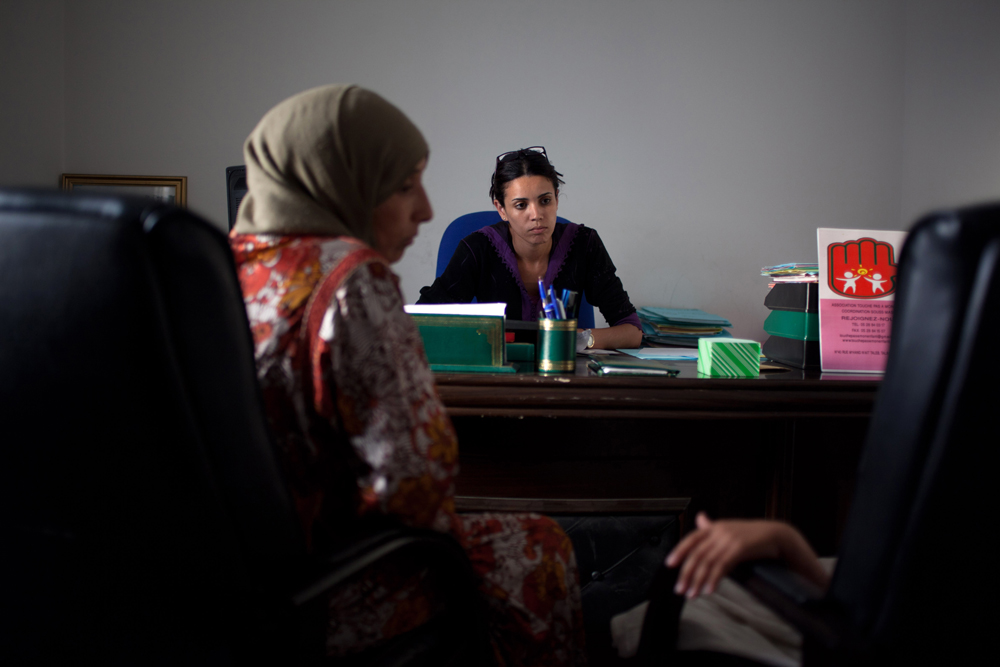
{"x": 236, "y": 188}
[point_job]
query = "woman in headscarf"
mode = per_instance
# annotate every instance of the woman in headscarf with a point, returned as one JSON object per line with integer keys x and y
{"x": 335, "y": 196}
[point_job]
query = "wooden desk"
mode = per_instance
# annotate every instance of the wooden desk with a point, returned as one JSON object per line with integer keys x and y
{"x": 784, "y": 445}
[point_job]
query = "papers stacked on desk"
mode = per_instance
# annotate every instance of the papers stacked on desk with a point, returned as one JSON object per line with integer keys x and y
{"x": 463, "y": 337}
{"x": 680, "y": 326}
{"x": 795, "y": 272}
{"x": 480, "y": 309}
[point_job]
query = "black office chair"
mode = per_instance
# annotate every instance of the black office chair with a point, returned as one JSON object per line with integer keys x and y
{"x": 143, "y": 516}
{"x": 916, "y": 571}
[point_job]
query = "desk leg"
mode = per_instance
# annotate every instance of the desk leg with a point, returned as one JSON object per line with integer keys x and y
{"x": 826, "y": 456}
{"x": 778, "y": 499}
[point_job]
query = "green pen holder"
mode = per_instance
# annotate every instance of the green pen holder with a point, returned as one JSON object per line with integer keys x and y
{"x": 556, "y": 349}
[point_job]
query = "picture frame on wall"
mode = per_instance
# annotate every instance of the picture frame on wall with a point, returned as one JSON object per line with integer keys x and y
{"x": 167, "y": 189}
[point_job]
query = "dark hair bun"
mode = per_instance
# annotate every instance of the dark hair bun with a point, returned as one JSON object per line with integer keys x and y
{"x": 524, "y": 163}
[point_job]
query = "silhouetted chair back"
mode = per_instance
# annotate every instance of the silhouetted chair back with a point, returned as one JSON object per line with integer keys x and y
{"x": 144, "y": 515}
{"x": 916, "y": 562}
{"x": 916, "y": 558}
{"x": 137, "y": 475}
{"x": 464, "y": 225}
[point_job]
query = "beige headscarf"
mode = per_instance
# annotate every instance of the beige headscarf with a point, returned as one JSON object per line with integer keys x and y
{"x": 319, "y": 162}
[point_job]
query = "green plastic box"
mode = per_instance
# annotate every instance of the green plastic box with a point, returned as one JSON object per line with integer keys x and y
{"x": 728, "y": 357}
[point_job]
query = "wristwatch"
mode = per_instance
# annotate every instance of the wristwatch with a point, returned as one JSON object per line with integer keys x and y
{"x": 590, "y": 338}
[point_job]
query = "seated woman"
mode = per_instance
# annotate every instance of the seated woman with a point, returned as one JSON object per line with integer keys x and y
{"x": 728, "y": 619}
{"x": 335, "y": 196}
{"x": 709, "y": 615}
{"x": 709, "y": 553}
{"x": 504, "y": 262}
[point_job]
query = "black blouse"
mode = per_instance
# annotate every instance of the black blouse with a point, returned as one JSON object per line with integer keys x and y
{"x": 484, "y": 266}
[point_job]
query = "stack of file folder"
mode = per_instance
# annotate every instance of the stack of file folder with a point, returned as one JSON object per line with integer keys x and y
{"x": 793, "y": 324}
{"x": 681, "y": 326}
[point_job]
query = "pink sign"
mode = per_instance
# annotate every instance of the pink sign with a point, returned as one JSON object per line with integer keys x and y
{"x": 857, "y": 274}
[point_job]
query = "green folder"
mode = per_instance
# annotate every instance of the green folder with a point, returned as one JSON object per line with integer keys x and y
{"x": 795, "y": 325}
{"x": 464, "y": 368}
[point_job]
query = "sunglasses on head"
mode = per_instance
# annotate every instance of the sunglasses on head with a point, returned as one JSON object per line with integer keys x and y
{"x": 523, "y": 152}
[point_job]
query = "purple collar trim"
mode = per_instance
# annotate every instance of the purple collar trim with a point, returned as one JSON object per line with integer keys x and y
{"x": 560, "y": 252}
{"x": 530, "y": 306}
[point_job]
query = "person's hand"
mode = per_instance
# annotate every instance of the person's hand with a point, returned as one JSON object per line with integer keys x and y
{"x": 709, "y": 553}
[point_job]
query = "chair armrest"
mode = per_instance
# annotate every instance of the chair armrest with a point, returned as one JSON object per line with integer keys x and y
{"x": 799, "y": 601}
{"x": 467, "y": 631}
{"x": 378, "y": 544}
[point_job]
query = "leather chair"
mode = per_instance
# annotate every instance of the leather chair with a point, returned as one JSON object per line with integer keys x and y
{"x": 143, "y": 514}
{"x": 916, "y": 571}
{"x": 464, "y": 225}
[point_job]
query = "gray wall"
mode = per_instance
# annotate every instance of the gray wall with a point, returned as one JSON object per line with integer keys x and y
{"x": 702, "y": 138}
{"x": 32, "y": 92}
{"x": 952, "y": 104}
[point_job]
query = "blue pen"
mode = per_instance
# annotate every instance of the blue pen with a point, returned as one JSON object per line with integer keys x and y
{"x": 547, "y": 307}
{"x": 560, "y": 313}
{"x": 571, "y": 303}
{"x": 560, "y": 307}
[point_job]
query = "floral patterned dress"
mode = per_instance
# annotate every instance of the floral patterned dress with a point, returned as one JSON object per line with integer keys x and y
{"x": 360, "y": 429}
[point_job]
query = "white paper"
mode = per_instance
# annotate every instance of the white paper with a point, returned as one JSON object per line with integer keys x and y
{"x": 488, "y": 309}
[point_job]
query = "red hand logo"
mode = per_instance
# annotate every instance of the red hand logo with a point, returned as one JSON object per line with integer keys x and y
{"x": 862, "y": 269}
